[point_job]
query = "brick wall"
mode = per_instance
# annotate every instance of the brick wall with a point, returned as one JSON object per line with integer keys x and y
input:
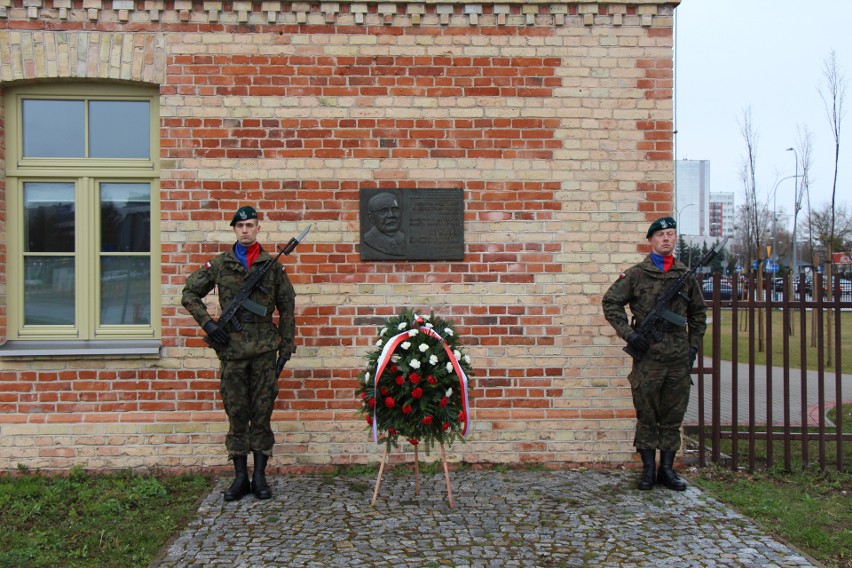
{"x": 554, "y": 118}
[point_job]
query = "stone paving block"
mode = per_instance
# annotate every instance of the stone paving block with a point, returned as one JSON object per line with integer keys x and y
{"x": 500, "y": 519}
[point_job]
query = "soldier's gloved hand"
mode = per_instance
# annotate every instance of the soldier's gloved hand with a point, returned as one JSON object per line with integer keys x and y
{"x": 216, "y": 333}
{"x": 283, "y": 357}
{"x": 693, "y": 353}
{"x": 638, "y": 342}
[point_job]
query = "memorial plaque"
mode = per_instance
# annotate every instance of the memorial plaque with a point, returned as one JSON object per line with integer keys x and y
{"x": 412, "y": 224}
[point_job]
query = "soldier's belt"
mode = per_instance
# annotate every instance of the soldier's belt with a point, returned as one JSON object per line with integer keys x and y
{"x": 253, "y": 318}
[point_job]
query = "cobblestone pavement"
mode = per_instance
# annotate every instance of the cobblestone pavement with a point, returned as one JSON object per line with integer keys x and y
{"x": 514, "y": 518}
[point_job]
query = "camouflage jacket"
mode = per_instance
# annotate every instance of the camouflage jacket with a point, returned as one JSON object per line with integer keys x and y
{"x": 640, "y": 286}
{"x": 274, "y": 292}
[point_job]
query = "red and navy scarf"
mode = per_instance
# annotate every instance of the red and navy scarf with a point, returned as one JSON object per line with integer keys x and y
{"x": 247, "y": 255}
{"x": 664, "y": 263}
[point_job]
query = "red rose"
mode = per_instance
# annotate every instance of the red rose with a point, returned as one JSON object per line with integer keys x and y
{"x": 364, "y": 395}
{"x": 389, "y": 402}
{"x": 414, "y": 442}
{"x": 414, "y": 378}
{"x": 392, "y": 431}
{"x": 406, "y": 409}
{"x": 417, "y": 393}
{"x": 462, "y": 416}
{"x": 444, "y": 402}
{"x": 372, "y": 402}
{"x": 400, "y": 380}
{"x": 370, "y": 420}
{"x": 445, "y": 426}
{"x": 384, "y": 391}
{"x": 426, "y": 420}
{"x": 393, "y": 368}
{"x": 432, "y": 380}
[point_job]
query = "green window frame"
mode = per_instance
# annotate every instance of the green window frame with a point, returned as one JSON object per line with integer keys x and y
{"x": 83, "y": 211}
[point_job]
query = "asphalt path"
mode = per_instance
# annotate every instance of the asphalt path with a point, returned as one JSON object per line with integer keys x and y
{"x": 754, "y": 387}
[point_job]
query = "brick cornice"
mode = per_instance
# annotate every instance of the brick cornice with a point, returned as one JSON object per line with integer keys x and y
{"x": 646, "y": 13}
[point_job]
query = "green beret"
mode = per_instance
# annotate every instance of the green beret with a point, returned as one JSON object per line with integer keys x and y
{"x": 243, "y": 214}
{"x": 660, "y": 224}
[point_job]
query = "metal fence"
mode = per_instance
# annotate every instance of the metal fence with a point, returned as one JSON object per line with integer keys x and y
{"x": 746, "y": 414}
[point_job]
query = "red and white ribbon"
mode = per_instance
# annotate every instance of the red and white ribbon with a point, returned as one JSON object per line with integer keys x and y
{"x": 384, "y": 359}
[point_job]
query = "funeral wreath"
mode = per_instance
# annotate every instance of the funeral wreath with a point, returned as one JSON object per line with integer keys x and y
{"x": 414, "y": 385}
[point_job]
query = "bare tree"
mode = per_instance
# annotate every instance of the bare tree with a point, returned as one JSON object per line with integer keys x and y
{"x": 831, "y": 226}
{"x": 756, "y": 219}
{"x": 833, "y": 93}
{"x": 804, "y": 153}
{"x": 754, "y": 228}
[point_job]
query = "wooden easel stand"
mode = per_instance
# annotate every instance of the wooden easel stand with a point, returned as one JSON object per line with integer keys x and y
{"x": 416, "y": 474}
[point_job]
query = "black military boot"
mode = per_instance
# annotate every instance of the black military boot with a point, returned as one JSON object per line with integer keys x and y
{"x": 649, "y": 467}
{"x": 666, "y": 475}
{"x": 258, "y": 477}
{"x": 240, "y": 486}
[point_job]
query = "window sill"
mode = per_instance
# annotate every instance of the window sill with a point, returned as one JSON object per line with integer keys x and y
{"x": 80, "y": 348}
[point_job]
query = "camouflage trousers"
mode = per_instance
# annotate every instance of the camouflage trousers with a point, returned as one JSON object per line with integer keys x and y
{"x": 249, "y": 388}
{"x": 660, "y": 397}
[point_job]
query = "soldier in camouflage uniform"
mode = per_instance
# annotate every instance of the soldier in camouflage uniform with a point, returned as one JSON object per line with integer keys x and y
{"x": 660, "y": 381}
{"x": 252, "y": 359}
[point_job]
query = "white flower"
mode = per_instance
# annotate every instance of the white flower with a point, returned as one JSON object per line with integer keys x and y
{"x": 449, "y": 367}
{"x": 367, "y": 377}
{"x": 402, "y": 325}
{"x": 415, "y": 364}
{"x": 433, "y": 359}
{"x": 425, "y": 317}
{"x": 394, "y": 358}
{"x": 405, "y": 345}
{"x": 467, "y": 359}
{"x": 379, "y": 342}
{"x": 412, "y": 333}
{"x": 423, "y": 348}
{"x": 457, "y": 354}
{"x": 384, "y": 331}
{"x": 449, "y": 392}
{"x": 429, "y": 325}
{"x": 448, "y": 331}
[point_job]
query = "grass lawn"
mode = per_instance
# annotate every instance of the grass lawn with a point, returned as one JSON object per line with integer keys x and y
{"x": 807, "y": 507}
{"x": 777, "y": 341}
{"x": 107, "y": 521}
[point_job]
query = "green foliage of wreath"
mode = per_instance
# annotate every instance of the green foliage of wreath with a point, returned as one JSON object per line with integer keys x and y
{"x": 419, "y": 394}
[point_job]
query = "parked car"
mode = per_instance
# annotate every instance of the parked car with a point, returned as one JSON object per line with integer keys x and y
{"x": 725, "y": 290}
{"x": 845, "y": 286}
{"x": 808, "y": 284}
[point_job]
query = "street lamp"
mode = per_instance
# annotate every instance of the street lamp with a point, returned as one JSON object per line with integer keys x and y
{"x": 775, "y": 215}
{"x": 681, "y": 211}
{"x": 796, "y": 205}
{"x": 677, "y": 221}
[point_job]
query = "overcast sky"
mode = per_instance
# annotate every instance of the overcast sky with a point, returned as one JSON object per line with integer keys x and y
{"x": 768, "y": 55}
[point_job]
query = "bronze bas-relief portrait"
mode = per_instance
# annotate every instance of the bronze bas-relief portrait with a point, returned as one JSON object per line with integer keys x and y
{"x": 385, "y": 236}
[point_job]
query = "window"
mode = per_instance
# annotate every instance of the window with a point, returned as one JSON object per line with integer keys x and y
{"x": 82, "y": 201}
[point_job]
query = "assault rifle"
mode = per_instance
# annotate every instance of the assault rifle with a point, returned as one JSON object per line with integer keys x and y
{"x": 241, "y": 300}
{"x": 648, "y": 327}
